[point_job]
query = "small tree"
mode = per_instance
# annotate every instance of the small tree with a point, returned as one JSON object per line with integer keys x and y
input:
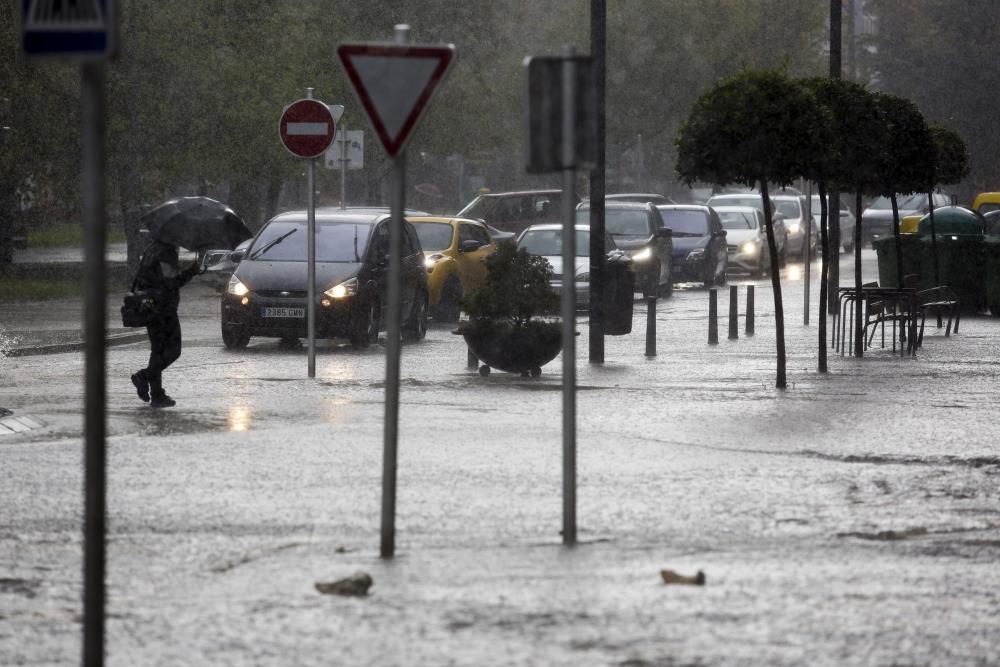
{"x": 908, "y": 158}
{"x": 516, "y": 290}
{"x": 757, "y": 127}
{"x": 950, "y": 167}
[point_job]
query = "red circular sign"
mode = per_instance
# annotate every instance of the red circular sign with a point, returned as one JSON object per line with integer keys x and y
{"x": 307, "y": 128}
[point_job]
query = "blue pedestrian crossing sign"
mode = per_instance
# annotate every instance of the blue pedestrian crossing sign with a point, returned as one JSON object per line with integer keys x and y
{"x": 77, "y": 29}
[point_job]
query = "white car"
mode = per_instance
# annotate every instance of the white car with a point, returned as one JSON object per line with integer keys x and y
{"x": 746, "y": 239}
{"x": 796, "y": 214}
{"x": 757, "y": 201}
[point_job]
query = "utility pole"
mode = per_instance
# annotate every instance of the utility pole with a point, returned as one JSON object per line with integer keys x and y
{"x": 836, "y": 15}
{"x": 598, "y": 275}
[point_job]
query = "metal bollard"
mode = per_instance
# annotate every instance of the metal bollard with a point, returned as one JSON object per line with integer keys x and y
{"x": 471, "y": 361}
{"x": 734, "y": 317}
{"x": 651, "y": 326}
{"x": 713, "y": 317}
{"x": 749, "y": 329}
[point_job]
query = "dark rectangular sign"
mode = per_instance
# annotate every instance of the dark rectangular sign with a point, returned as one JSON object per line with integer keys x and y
{"x": 77, "y": 29}
{"x": 543, "y": 114}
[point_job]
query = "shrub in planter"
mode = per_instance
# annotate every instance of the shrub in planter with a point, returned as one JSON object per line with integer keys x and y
{"x": 508, "y": 326}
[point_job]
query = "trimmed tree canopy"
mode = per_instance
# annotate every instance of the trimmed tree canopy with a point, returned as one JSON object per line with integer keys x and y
{"x": 952, "y": 164}
{"x": 755, "y": 126}
{"x": 909, "y": 155}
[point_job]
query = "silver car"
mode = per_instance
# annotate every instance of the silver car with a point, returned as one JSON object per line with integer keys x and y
{"x": 846, "y": 223}
{"x": 756, "y": 200}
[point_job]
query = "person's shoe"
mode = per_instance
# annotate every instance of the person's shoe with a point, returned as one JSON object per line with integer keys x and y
{"x": 162, "y": 401}
{"x": 141, "y": 386}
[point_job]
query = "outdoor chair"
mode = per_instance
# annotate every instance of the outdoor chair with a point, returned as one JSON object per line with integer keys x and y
{"x": 882, "y": 309}
{"x": 940, "y": 301}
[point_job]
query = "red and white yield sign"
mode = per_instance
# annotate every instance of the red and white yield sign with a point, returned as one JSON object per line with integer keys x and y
{"x": 394, "y": 83}
{"x": 307, "y": 128}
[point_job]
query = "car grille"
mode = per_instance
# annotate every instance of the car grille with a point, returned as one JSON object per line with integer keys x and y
{"x": 286, "y": 294}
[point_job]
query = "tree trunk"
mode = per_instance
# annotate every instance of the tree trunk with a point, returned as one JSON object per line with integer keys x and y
{"x": 859, "y": 343}
{"x": 779, "y": 312}
{"x": 824, "y": 275}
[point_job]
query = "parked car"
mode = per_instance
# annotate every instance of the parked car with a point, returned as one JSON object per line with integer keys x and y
{"x": 547, "y": 241}
{"x": 266, "y": 295}
{"x": 638, "y": 230}
{"x": 756, "y": 200}
{"x": 456, "y": 250}
{"x": 876, "y": 220}
{"x": 640, "y": 197}
{"x": 516, "y": 211}
{"x": 699, "y": 241}
{"x": 746, "y": 239}
{"x": 795, "y": 210}
{"x": 846, "y": 222}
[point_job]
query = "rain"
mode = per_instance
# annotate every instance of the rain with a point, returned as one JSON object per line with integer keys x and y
{"x": 750, "y": 436}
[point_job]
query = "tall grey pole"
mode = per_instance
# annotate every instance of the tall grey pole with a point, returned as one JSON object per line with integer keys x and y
{"x": 95, "y": 394}
{"x": 390, "y": 443}
{"x": 807, "y": 256}
{"x": 833, "y": 225}
{"x": 598, "y": 259}
{"x": 343, "y": 167}
{"x": 311, "y": 260}
{"x": 569, "y": 297}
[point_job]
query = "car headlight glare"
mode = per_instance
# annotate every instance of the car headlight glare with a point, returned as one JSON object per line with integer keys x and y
{"x": 643, "y": 255}
{"x": 237, "y": 288}
{"x": 430, "y": 261}
{"x": 794, "y": 228}
{"x": 749, "y": 247}
{"x": 347, "y": 288}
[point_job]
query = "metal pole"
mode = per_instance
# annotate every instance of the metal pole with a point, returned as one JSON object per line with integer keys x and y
{"x": 391, "y": 435}
{"x": 750, "y": 307}
{"x": 713, "y": 317}
{"x": 833, "y": 231}
{"x": 311, "y": 260}
{"x": 734, "y": 318}
{"x": 95, "y": 394}
{"x": 598, "y": 259}
{"x": 807, "y": 255}
{"x": 343, "y": 166}
{"x": 651, "y": 326}
{"x": 569, "y": 298}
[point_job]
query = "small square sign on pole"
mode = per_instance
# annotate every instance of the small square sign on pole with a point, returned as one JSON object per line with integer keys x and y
{"x": 75, "y": 29}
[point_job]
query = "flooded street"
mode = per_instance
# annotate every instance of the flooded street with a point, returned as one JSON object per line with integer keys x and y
{"x": 853, "y": 519}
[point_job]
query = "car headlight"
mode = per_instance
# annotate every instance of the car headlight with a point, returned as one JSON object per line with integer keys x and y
{"x": 237, "y": 288}
{"x": 347, "y": 288}
{"x": 583, "y": 278}
{"x": 643, "y": 255}
{"x": 794, "y": 228}
{"x": 696, "y": 254}
{"x": 430, "y": 261}
{"x": 749, "y": 247}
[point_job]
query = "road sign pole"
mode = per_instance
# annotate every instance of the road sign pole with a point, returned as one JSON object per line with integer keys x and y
{"x": 807, "y": 261}
{"x": 311, "y": 260}
{"x": 390, "y": 444}
{"x": 95, "y": 395}
{"x": 569, "y": 297}
{"x": 343, "y": 167}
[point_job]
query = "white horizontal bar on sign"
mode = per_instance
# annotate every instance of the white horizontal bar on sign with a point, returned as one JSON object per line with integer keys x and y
{"x": 321, "y": 129}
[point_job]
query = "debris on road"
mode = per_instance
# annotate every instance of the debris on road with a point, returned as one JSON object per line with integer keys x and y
{"x": 356, "y": 585}
{"x": 671, "y": 577}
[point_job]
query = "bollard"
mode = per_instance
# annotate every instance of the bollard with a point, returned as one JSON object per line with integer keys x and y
{"x": 749, "y": 330}
{"x": 651, "y": 326}
{"x": 734, "y": 333}
{"x": 713, "y": 317}
{"x": 470, "y": 360}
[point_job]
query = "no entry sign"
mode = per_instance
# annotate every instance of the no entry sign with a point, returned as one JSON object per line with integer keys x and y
{"x": 307, "y": 128}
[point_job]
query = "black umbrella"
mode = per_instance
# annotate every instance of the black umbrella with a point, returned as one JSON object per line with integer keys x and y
{"x": 196, "y": 223}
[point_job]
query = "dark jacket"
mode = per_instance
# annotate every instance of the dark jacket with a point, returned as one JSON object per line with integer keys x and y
{"x": 159, "y": 271}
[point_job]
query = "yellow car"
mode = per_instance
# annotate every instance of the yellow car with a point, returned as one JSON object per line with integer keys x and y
{"x": 455, "y": 251}
{"x": 986, "y": 202}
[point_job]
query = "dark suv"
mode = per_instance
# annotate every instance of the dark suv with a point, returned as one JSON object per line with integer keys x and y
{"x": 266, "y": 295}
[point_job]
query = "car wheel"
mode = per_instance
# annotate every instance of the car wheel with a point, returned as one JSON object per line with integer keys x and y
{"x": 448, "y": 309}
{"x": 365, "y": 325}
{"x": 234, "y": 337}
{"x": 416, "y": 328}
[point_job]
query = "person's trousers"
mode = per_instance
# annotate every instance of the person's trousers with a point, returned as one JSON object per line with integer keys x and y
{"x": 164, "y": 349}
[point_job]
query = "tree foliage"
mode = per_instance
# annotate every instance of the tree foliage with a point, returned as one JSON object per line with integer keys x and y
{"x": 515, "y": 291}
{"x": 908, "y": 157}
{"x": 952, "y": 163}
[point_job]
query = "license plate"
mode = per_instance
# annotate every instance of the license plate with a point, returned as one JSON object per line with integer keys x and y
{"x": 273, "y": 311}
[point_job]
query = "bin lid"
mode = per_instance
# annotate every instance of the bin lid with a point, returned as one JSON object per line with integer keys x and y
{"x": 952, "y": 220}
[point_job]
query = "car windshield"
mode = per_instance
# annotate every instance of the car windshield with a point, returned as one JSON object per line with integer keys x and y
{"x": 789, "y": 208}
{"x": 737, "y": 220}
{"x": 755, "y": 202}
{"x": 903, "y": 202}
{"x": 685, "y": 223}
{"x": 478, "y": 208}
{"x": 548, "y": 242}
{"x": 335, "y": 241}
{"x": 434, "y": 236}
{"x": 621, "y": 222}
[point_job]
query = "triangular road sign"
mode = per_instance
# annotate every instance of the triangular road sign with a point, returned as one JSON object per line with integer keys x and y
{"x": 394, "y": 83}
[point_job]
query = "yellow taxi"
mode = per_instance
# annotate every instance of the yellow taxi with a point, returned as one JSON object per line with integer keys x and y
{"x": 986, "y": 202}
{"x": 455, "y": 252}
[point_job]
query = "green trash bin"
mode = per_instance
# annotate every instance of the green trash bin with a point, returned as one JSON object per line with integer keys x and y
{"x": 915, "y": 259}
{"x": 992, "y": 258}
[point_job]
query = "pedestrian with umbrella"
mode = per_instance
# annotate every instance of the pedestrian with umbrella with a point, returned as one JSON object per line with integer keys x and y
{"x": 194, "y": 223}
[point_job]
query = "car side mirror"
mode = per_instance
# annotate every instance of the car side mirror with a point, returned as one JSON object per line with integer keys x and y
{"x": 470, "y": 245}
{"x": 236, "y": 256}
